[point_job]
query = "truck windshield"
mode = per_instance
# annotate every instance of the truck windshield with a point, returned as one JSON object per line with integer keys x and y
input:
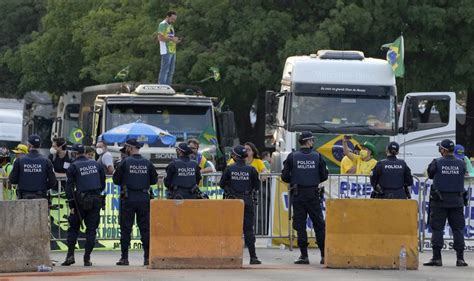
{"x": 181, "y": 121}
{"x": 366, "y": 115}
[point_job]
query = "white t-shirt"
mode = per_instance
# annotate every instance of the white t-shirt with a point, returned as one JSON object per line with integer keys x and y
{"x": 106, "y": 159}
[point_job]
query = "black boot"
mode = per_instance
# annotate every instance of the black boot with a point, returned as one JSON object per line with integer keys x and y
{"x": 255, "y": 260}
{"x": 302, "y": 260}
{"x": 460, "y": 259}
{"x": 322, "y": 260}
{"x": 69, "y": 260}
{"x": 433, "y": 262}
{"x": 87, "y": 261}
{"x": 122, "y": 261}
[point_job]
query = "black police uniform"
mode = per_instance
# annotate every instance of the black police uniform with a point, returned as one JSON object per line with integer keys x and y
{"x": 135, "y": 175}
{"x": 305, "y": 170}
{"x": 34, "y": 175}
{"x": 182, "y": 178}
{"x": 448, "y": 181}
{"x": 84, "y": 185}
{"x": 392, "y": 175}
{"x": 239, "y": 181}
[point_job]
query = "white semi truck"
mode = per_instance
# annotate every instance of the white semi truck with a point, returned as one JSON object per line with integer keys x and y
{"x": 11, "y": 122}
{"x": 343, "y": 92}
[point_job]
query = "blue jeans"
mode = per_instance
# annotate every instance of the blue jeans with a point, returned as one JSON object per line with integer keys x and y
{"x": 168, "y": 62}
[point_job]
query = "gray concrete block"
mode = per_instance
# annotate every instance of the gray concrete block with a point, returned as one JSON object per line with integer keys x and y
{"x": 24, "y": 235}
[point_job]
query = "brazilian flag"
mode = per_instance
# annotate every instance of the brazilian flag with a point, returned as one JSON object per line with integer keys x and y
{"x": 76, "y": 136}
{"x": 209, "y": 137}
{"x": 395, "y": 56}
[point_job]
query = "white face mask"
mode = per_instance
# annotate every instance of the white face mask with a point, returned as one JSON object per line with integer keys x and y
{"x": 53, "y": 150}
{"x": 99, "y": 150}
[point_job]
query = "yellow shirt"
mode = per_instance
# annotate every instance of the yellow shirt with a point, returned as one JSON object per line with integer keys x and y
{"x": 256, "y": 163}
{"x": 363, "y": 167}
{"x": 346, "y": 165}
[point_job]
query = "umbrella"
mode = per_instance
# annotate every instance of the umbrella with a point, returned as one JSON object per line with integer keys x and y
{"x": 144, "y": 133}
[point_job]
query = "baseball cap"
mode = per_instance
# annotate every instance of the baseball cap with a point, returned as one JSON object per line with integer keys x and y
{"x": 79, "y": 148}
{"x": 370, "y": 146}
{"x": 459, "y": 151}
{"x": 183, "y": 147}
{"x": 133, "y": 142}
{"x": 446, "y": 144}
{"x": 21, "y": 148}
{"x": 393, "y": 146}
{"x": 305, "y": 136}
{"x": 34, "y": 140}
{"x": 239, "y": 151}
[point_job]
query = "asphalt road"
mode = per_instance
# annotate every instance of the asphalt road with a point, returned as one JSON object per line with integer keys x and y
{"x": 277, "y": 265}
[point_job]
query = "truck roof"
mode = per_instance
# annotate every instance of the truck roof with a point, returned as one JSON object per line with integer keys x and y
{"x": 315, "y": 70}
{"x": 180, "y": 99}
{"x": 11, "y": 104}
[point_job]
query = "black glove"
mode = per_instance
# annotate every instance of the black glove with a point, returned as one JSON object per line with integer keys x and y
{"x": 71, "y": 204}
{"x": 407, "y": 192}
{"x": 465, "y": 198}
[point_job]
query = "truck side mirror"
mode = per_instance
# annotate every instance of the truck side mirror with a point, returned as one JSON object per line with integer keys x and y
{"x": 226, "y": 128}
{"x": 271, "y": 107}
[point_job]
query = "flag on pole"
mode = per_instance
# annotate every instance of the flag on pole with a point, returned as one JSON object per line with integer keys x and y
{"x": 395, "y": 56}
{"x": 122, "y": 74}
{"x": 76, "y": 136}
{"x": 215, "y": 73}
{"x": 209, "y": 137}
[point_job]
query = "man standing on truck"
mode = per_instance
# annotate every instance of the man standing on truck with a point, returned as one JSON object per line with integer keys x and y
{"x": 304, "y": 170}
{"x": 364, "y": 162}
{"x": 391, "y": 177}
{"x": 447, "y": 200}
{"x": 168, "y": 40}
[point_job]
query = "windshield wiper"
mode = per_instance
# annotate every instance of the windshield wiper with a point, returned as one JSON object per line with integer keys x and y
{"x": 367, "y": 127}
{"x": 319, "y": 125}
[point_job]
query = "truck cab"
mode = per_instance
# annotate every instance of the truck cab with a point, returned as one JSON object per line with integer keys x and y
{"x": 333, "y": 93}
{"x": 67, "y": 117}
{"x": 183, "y": 114}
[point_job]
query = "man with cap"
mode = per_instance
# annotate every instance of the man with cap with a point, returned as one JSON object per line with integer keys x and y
{"x": 183, "y": 175}
{"x": 84, "y": 185}
{"x": 304, "y": 170}
{"x": 459, "y": 154}
{"x": 20, "y": 150}
{"x": 364, "y": 162}
{"x": 134, "y": 175}
{"x": 447, "y": 202}
{"x": 239, "y": 182}
{"x": 391, "y": 177}
{"x": 33, "y": 173}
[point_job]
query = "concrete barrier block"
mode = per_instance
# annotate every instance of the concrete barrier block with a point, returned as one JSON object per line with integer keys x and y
{"x": 24, "y": 235}
{"x": 196, "y": 233}
{"x": 368, "y": 233}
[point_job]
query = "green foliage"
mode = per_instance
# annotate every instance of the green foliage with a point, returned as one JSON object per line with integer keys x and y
{"x": 87, "y": 42}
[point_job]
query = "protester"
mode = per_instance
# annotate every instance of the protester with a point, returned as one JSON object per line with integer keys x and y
{"x": 168, "y": 41}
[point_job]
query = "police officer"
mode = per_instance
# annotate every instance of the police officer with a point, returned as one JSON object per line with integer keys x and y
{"x": 135, "y": 175}
{"x": 447, "y": 202}
{"x": 391, "y": 177}
{"x": 183, "y": 175}
{"x": 84, "y": 185}
{"x": 240, "y": 181}
{"x": 33, "y": 173}
{"x": 304, "y": 170}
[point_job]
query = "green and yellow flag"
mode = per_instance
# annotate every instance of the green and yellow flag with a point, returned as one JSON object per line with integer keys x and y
{"x": 122, "y": 74}
{"x": 209, "y": 136}
{"x": 395, "y": 56}
{"x": 76, "y": 136}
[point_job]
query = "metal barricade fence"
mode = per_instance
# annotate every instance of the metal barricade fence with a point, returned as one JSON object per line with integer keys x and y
{"x": 271, "y": 212}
